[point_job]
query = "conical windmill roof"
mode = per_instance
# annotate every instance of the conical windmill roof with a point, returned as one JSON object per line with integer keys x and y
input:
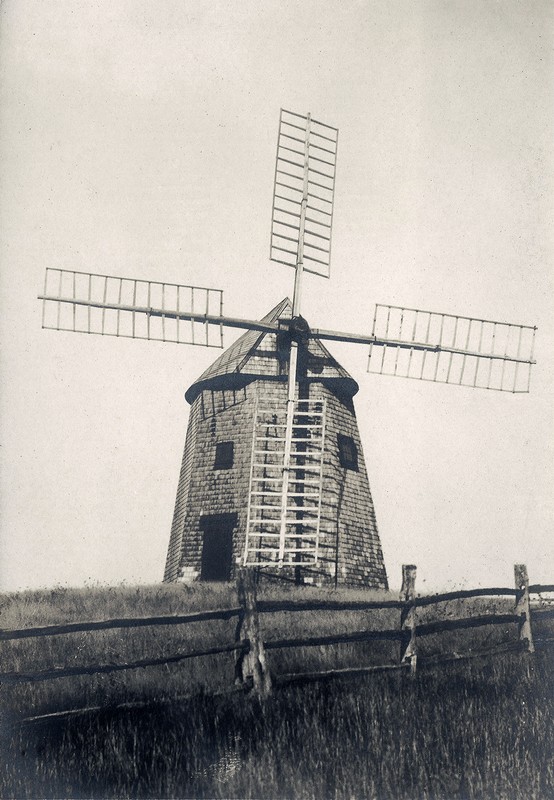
{"x": 253, "y": 356}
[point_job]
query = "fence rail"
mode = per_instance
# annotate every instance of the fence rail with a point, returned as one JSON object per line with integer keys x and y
{"x": 97, "y": 669}
{"x": 124, "y": 622}
{"x": 249, "y": 647}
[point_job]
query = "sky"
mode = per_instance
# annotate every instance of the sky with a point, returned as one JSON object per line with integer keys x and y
{"x": 138, "y": 139}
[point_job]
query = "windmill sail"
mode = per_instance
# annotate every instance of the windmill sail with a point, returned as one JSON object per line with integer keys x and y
{"x": 85, "y": 302}
{"x": 304, "y": 188}
{"x": 447, "y": 348}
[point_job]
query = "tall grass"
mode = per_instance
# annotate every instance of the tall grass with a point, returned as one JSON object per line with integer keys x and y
{"x": 473, "y": 731}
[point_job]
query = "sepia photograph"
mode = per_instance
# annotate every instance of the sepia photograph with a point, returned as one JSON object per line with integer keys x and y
{"x": 277, "y": 399}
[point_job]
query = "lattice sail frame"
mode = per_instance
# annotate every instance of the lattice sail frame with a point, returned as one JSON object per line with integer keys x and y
{"x": 85, "y": 302}
{"x": 284, "y": 504}
{"x": 448, "y": 348}
{"x": 305, "y": 170}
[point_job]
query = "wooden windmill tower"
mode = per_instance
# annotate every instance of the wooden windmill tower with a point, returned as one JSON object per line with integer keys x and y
{"x": 273, "y": 474}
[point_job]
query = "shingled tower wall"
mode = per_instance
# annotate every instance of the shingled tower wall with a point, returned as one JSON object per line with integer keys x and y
{"x": 214, "y": 495}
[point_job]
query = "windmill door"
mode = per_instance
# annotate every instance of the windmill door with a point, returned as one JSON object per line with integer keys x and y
{"x": 217, "y": 546}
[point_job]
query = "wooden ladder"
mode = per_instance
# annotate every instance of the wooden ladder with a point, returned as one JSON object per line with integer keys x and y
{"x": 284, "y": 508}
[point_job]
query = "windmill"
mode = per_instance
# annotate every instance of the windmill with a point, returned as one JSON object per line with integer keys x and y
{"x": 273, "y": 474}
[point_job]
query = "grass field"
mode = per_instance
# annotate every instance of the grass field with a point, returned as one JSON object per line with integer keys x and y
{"x": 479, "y": 729}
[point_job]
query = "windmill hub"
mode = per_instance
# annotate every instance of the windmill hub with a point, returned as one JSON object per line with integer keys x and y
{"x": 299, "y": 329}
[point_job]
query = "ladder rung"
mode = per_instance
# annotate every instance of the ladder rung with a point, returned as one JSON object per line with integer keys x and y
{"x": 261, "y": 534}
{"x": 270, "y": 564}
{"x": 274, "y": 548}
{"x": 297, "y": 413}
{"x": 309, "y": 513}
{"x": 309, "y": 529}
{"x": 300, "y": 453}
{"x": 276, "y": 451}
{"x": 308, "y": 522}
{"x": 271, "y": 492}
{"x": 273, "y": 563}
{"x": 295, "y": 425}
{"x": 289, "y": 494}
{"x": 305, "y": 467}
{"x": 284, "y": 439}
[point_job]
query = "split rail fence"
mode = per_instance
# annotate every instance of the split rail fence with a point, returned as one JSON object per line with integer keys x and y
{"x": 250, "y": 666}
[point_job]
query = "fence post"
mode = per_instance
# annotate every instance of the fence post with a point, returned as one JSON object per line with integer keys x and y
{"x": 522, "y": 607}
{"x": 408, "y": 649}
{"x": 251, "y": 667}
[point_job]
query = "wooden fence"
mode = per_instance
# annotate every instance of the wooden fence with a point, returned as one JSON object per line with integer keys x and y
{"x": 251, "y": 669}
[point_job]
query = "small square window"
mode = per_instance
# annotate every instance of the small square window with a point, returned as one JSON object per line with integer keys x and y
{"x": 224, "y": 455}
{"x": 348, "y": 452}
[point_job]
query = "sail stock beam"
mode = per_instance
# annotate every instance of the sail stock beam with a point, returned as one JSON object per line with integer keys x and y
{"x": 364, "y": 338}
{"x": 190, "y": 316}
